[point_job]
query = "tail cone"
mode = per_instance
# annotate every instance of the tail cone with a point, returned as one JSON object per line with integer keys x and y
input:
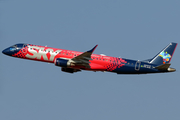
{"x": 171, "y": 69}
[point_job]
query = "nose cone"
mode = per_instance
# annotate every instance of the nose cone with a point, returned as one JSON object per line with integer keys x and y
{"x": 5, "y": 51}
{"x": 12, "y": 49}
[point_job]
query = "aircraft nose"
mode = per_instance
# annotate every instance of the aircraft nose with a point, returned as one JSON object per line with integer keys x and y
{"x": 4, "y": 51}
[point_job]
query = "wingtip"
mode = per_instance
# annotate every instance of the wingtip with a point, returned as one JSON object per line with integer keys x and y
{"x": 96, "y": 46}
{"x": 92, "y": 50}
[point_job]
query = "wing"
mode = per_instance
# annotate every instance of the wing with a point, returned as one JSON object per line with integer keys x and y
{"x": 83, "y": 59}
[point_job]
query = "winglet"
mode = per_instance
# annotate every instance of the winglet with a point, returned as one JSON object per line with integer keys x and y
{"x": 92, "y": 50}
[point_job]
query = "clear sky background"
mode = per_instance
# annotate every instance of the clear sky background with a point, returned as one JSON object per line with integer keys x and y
{"x": 134, "y": 29}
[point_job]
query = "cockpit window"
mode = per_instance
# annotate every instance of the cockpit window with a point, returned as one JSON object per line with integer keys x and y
{"x": 14, "y": 47}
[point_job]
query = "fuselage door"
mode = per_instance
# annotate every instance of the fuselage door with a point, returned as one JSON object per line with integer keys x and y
{"x": 137, "y": 66}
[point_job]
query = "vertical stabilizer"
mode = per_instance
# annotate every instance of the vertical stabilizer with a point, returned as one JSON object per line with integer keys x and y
{"x": 165, "y": 55}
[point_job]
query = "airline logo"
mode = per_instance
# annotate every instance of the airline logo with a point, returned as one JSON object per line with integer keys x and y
{"x": 35, "y": 52}
{"x": 166, "y": 57}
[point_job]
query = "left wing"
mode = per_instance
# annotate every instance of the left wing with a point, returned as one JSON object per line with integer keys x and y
{"x": 83, "y": 59}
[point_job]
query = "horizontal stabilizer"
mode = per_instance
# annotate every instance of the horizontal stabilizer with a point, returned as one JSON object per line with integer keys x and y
{"x": 163, "y": 66}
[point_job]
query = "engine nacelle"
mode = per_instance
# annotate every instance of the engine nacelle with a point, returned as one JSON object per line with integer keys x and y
{"x": 63, "y": 62}
{"x": 69, "y": 70}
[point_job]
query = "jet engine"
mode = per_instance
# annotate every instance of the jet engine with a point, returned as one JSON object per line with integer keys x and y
{"x": 69, "y": 70}
{"x": 63, "y": 62}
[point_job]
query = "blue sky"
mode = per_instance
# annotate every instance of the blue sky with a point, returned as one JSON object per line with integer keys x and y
{"x": 130, "y": 29}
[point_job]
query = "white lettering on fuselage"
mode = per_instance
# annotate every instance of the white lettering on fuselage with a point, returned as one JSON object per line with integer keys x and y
{"x": 147, "y": 66}
{"x": 40, "y": 52}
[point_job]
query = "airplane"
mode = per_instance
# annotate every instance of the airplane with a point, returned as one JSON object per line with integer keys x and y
{"x": 73, "y": 61}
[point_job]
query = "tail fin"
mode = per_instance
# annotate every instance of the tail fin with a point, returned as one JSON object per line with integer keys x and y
{"x": 165, "y": 55}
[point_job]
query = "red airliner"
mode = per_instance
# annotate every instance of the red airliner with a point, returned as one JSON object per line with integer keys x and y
{"x": 73, "y": 61}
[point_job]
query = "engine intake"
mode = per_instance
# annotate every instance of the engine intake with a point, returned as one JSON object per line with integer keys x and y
{"x": 63, "y": 62}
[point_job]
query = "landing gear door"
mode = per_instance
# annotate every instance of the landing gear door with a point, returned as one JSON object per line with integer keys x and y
{"x": 137, "y": 66}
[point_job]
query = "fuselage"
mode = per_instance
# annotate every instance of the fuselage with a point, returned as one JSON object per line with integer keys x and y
{"x": 97, "y": 62}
